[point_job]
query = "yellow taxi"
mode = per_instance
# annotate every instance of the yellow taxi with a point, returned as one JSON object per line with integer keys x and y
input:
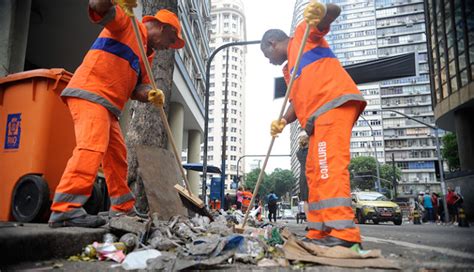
{"x": 376, "y": 207}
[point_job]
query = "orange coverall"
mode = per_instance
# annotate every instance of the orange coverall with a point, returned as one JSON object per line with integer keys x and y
{"x": 96, "y": 94}
{"x": 327, "y": 103}
{"x": 246, "y": 198}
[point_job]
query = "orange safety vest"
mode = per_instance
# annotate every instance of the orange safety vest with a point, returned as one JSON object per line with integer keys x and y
{"x": 321, "y": 83}
{"x": 247, "y": 197}
{"x": 113, "y": 68}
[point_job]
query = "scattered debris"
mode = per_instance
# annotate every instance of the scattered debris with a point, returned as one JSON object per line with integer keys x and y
{"x": 197, "y": 243}
{"x": 138, "y": 259}
{"x": 129, "y": 224}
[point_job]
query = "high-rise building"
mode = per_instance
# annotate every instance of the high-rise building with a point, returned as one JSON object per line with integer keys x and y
{"x": 367, "y": 30}
{"x": 400, "y": 28}
{"x": 228, "y": 25}
{"x": 450, "y": 30}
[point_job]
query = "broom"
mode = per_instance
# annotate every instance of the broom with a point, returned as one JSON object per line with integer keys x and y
{"x": 241, "y": 228}
{"x": 189, "y": 200}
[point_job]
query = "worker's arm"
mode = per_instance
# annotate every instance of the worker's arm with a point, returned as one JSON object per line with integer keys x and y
{"x": 319, "y": 17}
{"x": 101, "y": 7}
{"x": 290, "y": 115}
{"x": 332, "y": 12}
{"x": 141, "y": 93}
{"x": 111, "y": 16}
{"x": 277, "y": 126}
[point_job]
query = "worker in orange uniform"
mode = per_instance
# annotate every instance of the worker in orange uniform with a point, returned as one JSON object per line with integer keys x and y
{"x": 246, "y": 198}
{"x": 326, "y": 102}
{"x": 111, "y": 73}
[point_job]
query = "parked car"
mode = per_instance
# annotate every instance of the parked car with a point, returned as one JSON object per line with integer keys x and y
{"x": 376, "y": 207}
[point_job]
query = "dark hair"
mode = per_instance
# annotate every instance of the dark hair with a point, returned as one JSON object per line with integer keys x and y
{"x": 275, "y": 35}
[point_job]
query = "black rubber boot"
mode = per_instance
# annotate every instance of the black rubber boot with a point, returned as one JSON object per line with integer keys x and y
{"x": 331, "y": 241}
{"x": 85, "y": 221}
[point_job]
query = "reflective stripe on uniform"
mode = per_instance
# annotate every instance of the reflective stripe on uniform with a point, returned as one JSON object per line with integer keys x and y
{"x": 109, "y": 16}
{"x": 121, "y": 199}
{"x": 119, "y": 49}
{"x": 70, "y": 198}
{"x": 92, "y": 97}
{"x": 311, "y": 56}
{"x": 336, "y": 102}
{"x": 330, "y": 203}
{"x": 334, "y": 224}
{"x": 61, "y": 216}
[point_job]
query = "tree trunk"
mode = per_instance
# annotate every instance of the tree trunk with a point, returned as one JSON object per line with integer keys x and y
{"x": 145, "y": 127}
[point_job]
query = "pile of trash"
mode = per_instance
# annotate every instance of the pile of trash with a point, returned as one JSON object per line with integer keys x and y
{"x": 197, "y": 243}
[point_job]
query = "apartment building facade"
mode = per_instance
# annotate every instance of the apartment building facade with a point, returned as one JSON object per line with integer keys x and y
{"x": 228, "y": 25}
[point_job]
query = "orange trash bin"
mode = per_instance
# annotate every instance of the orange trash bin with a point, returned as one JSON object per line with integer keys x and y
{"x": 36, "y": 141}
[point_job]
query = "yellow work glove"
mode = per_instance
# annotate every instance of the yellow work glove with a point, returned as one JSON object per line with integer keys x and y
{"x": 127, "y": 6}
{"x": 157, "y": 97}
{"x": 277, "y": 127}
{"x": 314, "y": 13}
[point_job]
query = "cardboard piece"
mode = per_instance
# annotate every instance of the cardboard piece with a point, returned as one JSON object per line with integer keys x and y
{"x": 159, "y": 172}
{"x": 335, "y": 256}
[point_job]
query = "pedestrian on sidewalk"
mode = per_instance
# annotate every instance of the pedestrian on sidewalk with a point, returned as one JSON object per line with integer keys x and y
{"x": 451, "y": 199}
{"x": 327, "y": 103}
{"x": 239, "y": 197}
{"x": 272, "y": 200}
{"x": 111, "y": 73}
{"x": 435, "y": 201}
{"x": 428, "y": 205}
{"x": 301, "y": 216}
{"x": 227, "y": 202}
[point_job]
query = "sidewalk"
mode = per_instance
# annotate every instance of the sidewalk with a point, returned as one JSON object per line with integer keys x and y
{"x": 32, "y": 242}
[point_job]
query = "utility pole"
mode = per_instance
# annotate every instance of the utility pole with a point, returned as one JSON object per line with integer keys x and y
{"x": 206, "y": 108}
{"x": 224, "y": 128}
{"x": 394, "y": 181}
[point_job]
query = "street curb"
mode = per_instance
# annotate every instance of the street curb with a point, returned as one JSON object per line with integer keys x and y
{"x": 34, "y": 242}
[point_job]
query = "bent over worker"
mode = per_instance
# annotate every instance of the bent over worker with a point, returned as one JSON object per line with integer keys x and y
{"x": 111, "y": 73}
{"x": 326, "y": 102}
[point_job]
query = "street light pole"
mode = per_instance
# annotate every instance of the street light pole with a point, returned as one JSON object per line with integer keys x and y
{"x": 440, "y": 163}
{"x": 379, "y": 186}
{"x": 206, "y": 108}
{"x": 224, "y": 128}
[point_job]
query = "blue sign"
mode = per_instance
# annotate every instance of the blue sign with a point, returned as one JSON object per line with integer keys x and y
{"x": 215, "y": 188}
{"x": 13, "y": 131}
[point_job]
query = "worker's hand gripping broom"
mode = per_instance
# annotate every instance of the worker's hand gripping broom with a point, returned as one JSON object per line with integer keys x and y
{"x": 241, "y": 227}
{"x": 194, "y": 203}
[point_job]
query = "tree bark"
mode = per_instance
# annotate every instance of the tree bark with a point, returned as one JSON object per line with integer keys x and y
{"x": 145, "y": 127}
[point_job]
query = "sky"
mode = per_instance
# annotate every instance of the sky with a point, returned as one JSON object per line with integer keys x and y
{"x": 261, "y": 109}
